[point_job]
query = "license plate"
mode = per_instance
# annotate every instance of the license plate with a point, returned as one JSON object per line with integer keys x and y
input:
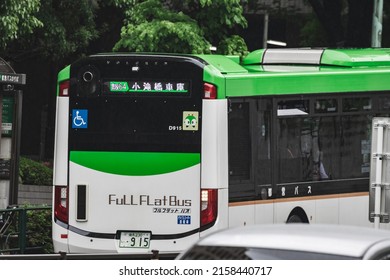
{"x": 134, "y": 239}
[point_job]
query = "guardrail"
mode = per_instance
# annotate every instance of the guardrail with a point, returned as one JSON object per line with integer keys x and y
{"x": 14, "y": 231}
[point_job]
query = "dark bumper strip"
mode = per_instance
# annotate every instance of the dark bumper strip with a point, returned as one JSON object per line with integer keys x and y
{"x": 114, "y": 235}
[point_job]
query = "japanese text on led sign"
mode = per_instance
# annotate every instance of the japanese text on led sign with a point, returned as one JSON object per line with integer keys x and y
{"x": 149, "y": 87}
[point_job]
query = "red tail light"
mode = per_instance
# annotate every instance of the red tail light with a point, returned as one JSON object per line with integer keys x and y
{"x": 209, "y": 206}
{"x": 210, "y": 91}
{"x": 64, "y": 88}
{"x": 61, "y": 203}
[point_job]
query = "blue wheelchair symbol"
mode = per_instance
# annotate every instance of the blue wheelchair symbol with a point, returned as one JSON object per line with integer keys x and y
{"x": 80, "y": 118}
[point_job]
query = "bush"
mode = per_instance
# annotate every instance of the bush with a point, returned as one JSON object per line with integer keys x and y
{"x": 35, "y": 173}
{"x": 39, "y": 231}
{"x": 38, "y": 234}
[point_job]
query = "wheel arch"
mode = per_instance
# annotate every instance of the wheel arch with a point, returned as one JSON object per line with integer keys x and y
{"x": 297, "y": 215}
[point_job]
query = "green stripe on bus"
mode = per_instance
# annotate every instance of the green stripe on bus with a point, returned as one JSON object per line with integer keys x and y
{"x": 135, "y": 163}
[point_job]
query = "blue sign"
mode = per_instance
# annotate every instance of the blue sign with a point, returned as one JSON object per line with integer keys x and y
{"x": 79, "y": 118}
{"x": 183, "y": 220}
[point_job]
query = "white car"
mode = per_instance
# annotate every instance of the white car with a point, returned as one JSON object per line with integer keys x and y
{"x": 292, "y": 241}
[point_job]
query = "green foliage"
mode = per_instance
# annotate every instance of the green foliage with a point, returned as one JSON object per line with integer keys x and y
{"x": 54, "y": 29}
{"x": 68, "y": 27}
{"x": 17, "y": 18}
{"x": 39, "y": 230}
{"x": 218, "y": 17}
{"x": 153, "y": 28}
{"x": 232, "y": 46}
{"x": 35, "y": 173}
{"x": 188, "y": 26}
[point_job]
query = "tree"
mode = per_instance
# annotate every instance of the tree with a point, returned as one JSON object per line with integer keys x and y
{"x": 65, "y": 28}
{"x": 17, "y": 18}
{"x": 69, "y": 27}
{"x": 187, "y": 26}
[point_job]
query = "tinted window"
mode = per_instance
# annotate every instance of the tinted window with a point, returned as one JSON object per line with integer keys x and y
{"x": 240, "y": 150}
{"x": 354, "y": 104}
{"x": 249, "y": 147}
{"x": 312, "y": 148}
{"x": 136, "y": 103}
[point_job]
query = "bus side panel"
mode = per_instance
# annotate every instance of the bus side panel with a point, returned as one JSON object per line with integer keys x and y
{"x": 264, "y": 212}
{"x": 241, "y": 214}
{"x": 282, "y": 210}
{"x": 327, "y": 211}
{"x": 353, "y": 211}
{"x": 60, "y": 177}
{"x": 61, "y": 143}
{"x": 249, "y": 213}
{"x": 214, "y": 155}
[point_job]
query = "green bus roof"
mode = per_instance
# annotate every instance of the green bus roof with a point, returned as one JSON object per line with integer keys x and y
{"x": 295, "y": 71}
{"x": 301, "y": 71}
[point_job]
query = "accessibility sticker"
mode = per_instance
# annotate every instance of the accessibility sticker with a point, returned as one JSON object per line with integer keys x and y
{"x": 183, "y": 220}
{"x": 80, "y": 118}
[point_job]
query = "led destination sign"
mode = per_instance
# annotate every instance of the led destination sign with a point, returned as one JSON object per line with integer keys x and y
{"x": 148, "y": 87}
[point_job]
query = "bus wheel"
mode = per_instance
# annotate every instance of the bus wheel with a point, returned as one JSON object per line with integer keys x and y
{"x": 294, "y": 219}
{"x": 298, "y": 215}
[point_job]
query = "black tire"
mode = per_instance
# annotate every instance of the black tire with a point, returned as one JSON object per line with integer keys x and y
{"x": 294, "y": 219}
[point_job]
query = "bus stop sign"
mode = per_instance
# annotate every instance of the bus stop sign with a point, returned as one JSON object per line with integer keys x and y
{"x": 10, "y": 123}
{"x": 13, "y": 79}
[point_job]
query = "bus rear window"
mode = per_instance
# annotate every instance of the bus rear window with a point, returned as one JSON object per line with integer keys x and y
{"x": 136, "y": 103}
{"x": 141, "y": 124}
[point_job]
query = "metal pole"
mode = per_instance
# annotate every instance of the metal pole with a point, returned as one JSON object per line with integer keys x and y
{"x": 378, "y": 176}
{"x": 265, "y": 31}
{"x": 15, "y": 149}
{"x": 376, "y": 35}
{"x": 22, "y": 230}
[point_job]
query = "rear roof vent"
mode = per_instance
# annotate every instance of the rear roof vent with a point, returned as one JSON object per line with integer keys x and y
{"x": 326, "y": 57}
{"x": 292, "y": 56}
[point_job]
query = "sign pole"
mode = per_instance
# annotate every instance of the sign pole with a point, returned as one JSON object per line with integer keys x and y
{"x": 15, "y": 149}
{"x": 376, "y": 35}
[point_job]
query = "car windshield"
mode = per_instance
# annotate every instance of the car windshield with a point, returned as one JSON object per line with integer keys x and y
{"x": 242, "y": 253}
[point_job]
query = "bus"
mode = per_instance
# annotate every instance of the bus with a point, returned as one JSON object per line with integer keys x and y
{"x": 155, "y": 151}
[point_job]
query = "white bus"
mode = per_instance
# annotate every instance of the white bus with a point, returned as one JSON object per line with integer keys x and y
{"x": 153, "y": 152}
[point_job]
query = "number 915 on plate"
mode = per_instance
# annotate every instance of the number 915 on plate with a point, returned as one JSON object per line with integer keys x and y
{"x": 134, "y": 239}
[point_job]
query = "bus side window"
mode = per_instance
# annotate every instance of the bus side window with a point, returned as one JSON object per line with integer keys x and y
{"x": 239, "y": 142}
{"x": 263, "y": 142}
{"x": 355, "y": 146}
{"x": 306, "y": 149}
{"x": 289, "y": 150}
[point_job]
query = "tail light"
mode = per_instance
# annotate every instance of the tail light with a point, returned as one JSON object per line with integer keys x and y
{"x": 210, "y": 91}
{"x": 209, "y": 206}
{"x": 64, "y": 88}
{"x": 61, "y": 203}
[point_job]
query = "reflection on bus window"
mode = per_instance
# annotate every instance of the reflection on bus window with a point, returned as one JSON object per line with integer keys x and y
{"x": 293, "y": 108}
{"x": 323, "y": 148}
{"x": 325, "y": 106}
{"x": 357, "y": 104}
{"x": 300, "y": 154}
